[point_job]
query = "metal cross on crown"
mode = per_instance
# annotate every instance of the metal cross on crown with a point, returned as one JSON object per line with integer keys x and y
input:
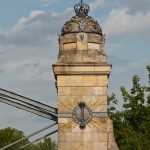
{"x": 81, "y": 2}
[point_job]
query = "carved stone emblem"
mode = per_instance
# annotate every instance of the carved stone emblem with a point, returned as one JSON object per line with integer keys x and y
{"x": 82, "y": 23}
{"x": 68, "y": 27}
{"x": 82, "y": 114}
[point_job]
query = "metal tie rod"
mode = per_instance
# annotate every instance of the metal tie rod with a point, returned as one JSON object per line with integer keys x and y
{"x": 37, "y": 140}
{"x": 28, "y": 101}
{"x": 39, "y": 131}
{"x": 29, "y": 109}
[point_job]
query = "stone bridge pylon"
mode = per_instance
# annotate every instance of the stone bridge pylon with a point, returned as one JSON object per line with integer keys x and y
{"x": 82, "y": 73}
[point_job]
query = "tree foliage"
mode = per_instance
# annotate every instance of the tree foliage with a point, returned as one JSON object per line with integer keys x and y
{"x": 132, "y": 124}
{"x": 47, "y": 144}
{"x": 10, "y": 135}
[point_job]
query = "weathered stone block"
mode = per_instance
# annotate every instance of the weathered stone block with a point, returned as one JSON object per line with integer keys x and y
{"x": 90, "y": 137}
{"x": 96, "y": 51}
{"x": 65, "y": 145}
{"x": 98, "y": 90}
{"x": 62, "y": 107}
{"x": 65, "y": 137}
{"x": 68, "y": 38}
{"x": 82, "y": 46}
{"x": 88, "y": 146}
{"x": 81, "y": 91}
{"x": 77, "y": 129}
{"x": 61, "y": 80}
{"x": 63, "y": 120}
{"x": 77, "y": 137}
{"x": 100, "y": 125}
{"x": 63, "y": 129}
{"x": 70, "y": 46}
{"x": 62, "y": 59}
{"x": 100, "y": 146}
{"x": 111, "y": 137}
{"x": 73, "y": 68}
{"x": 96, "y": 145}
{"x": 100, "y": 128}
{"x": 103, "y": 68}
{"x": 101, "y": 108}
{"x": 102, "y": 80}
{"x": 62, "y": 98}
{"x": 77, "y": 146}
{"x": 64, "y": 91}
{"x": 73, "y": 80}
{"x": 95, "y": 80}
{"x": 101, "y": 58}
{"x": 110, "y": 126}
{"x": 67, "y": 103}
{"x": 104, "y": 90}
{"x": 94, "y": 38}
{"x": 103, "y": 137}
{"x": 89, "y": 58}
{"x": 74, "y": 58}
{"x": 103, "y": 145}
{"x": 93, "y": 46}
{"x": 95, "y": 100}
{"x": 75, "y": 99}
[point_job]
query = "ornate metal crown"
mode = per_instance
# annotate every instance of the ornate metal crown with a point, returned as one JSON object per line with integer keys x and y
{"x": 81, "y": 9}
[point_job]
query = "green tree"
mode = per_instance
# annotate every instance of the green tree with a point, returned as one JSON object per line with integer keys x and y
{"x": 47, "y": 144}
{"x": 10, "y": 135}
{"x": 132, "y": 124}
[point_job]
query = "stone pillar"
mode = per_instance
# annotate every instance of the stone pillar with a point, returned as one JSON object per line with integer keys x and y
{"x": 82, "y": 73}
{"x": 88, "y": 84}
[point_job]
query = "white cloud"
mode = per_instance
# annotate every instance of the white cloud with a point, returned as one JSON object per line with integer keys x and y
{"x": 39, "y": 29}
{"x": 136, "y": 5}
{"x": 120, "y": 22}
{"x": 28, "y": 51}
{"x": 13, "y": 66}
{"x": 21, "y": 22}
{"x": 35, "y": 13}
{"x": 1, "y": 49}
{"x": 96, "y": 4}
{"x": 126, "y": 65}
{"x": 28, "y": 69}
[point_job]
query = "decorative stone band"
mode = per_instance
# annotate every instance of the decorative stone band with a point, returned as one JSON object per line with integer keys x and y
{"x": 95, "y": 114}
{"x": 82, "y": 72}
{"x": 82, "y": 69}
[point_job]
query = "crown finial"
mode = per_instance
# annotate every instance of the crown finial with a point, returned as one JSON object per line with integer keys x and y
{"x": 81, "y": 9}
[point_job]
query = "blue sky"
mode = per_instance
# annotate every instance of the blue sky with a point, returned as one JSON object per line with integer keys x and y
{"x": 29, "y": 46}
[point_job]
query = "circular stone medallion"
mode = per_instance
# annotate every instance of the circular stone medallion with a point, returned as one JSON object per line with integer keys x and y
{"x": 82, "y": 114}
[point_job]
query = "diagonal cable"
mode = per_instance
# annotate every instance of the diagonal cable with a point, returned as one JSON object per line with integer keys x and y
{"x": 39, "y": 131}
